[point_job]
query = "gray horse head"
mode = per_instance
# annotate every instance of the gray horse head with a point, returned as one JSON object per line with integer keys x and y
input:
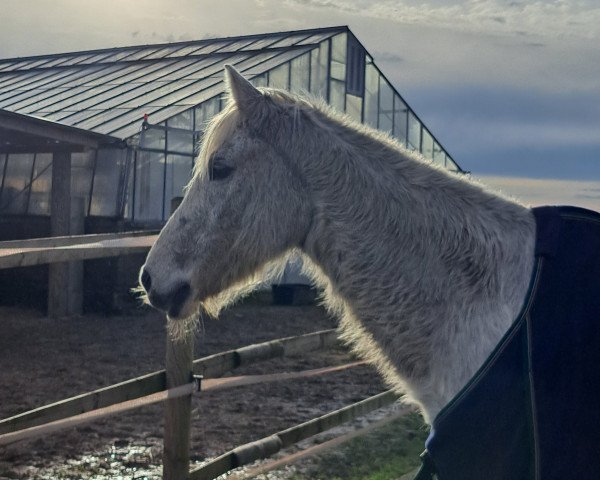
{"x": 244, "y": 207}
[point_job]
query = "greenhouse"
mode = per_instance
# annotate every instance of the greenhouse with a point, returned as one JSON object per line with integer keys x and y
{"x": 126, "y": 122}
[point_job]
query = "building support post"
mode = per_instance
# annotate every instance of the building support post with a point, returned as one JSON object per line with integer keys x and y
{"x": 75, "y": 288}
{"x": 60, "y": 225}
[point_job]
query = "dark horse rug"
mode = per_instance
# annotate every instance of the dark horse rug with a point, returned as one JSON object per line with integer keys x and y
{"x": 532, "y": 412}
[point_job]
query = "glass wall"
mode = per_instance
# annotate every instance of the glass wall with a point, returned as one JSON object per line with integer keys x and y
{"x": 39, "y": 196}
{"x": 319, "y": 70}
{"x": 110, "y": 174}
{"x": 279, "y": 77}
{"x": 427, "y": 144}
{"x": 26, "y": 181}
{"x": 300, "y": 74}
{"x": 371, "y": 95}
{"x": 414, "y": 132}
{"x": 260, "y": 80}
{"x": 370, "y": 98}
{"x": 205, "y": 111}
{"x": 386, "y": 106}
{"x": 140, "y": 182}
{"x": 354, "y": 106}
{"x": 400, "y": 119}
{"x": 149, "y": 186}
{"x": 439, "y": 156}
{"x": 164, "y": 160}
{"x": 337, "y": 72}
{"x": 15, "y": 188}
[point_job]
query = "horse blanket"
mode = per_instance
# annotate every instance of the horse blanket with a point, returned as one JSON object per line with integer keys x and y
{"x": 532, "y": 411}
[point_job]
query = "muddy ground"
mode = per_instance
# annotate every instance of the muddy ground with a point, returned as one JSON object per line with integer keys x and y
{"x": 44, "y": 360}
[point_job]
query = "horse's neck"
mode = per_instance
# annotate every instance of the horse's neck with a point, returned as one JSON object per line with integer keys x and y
{"x": 427, "y": 270}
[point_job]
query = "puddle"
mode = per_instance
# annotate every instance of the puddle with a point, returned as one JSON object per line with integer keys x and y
{"x": 121, "y": 462}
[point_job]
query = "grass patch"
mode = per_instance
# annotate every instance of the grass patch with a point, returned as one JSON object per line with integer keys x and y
{"x": 385, "y": 454}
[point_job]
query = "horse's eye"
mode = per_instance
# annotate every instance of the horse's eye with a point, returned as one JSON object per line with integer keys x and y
{"x": 218, "y": 170}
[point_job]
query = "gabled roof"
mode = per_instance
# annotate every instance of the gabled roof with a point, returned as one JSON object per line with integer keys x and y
{"x": 108, "y": 91}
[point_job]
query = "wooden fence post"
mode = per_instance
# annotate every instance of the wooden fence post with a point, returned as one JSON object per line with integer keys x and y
{"x": 178, "y": 411}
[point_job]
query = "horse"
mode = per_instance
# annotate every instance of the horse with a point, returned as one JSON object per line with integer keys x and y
{"x": 426, "y": 269}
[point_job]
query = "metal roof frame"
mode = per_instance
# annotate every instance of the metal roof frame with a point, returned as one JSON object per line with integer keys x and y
{"x": 334, "y": 29}
{"x": 47, "y": 136}
{"x": 111, "y": 94}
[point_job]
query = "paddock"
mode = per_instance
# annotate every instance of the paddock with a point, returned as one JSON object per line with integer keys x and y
{"x": 66, "y": 357}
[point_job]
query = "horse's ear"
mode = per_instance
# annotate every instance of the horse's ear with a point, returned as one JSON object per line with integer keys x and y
{"x": 244, "y": 94}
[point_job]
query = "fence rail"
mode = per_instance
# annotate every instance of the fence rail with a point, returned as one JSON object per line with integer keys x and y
{"x": 272, "y": 444}
{"x": 38, "y": 251}
{"x": 153, "y": 386}
{"x": 211, "y": 366}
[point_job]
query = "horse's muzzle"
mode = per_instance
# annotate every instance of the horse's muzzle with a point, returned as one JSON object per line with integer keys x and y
{"x": 170, "y": 301}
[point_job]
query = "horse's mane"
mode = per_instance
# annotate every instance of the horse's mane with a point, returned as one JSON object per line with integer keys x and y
{"x": 389, "y": 160}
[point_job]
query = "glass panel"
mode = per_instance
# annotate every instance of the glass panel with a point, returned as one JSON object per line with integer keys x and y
{"x": 371, "y": 95}
{"x": 179, "y": 173}
{"x": 154, "y": 137}
{"x": 82, "y": 165}
{"x": 400, "y": 119}
{"x": 338, "y": 57}
{"x": 260, "y": 80}
{"x": 183, "y": 120}
{"x": 16, "y": 183}
{"x": 149, "y": 186}
{"x": 355, "y": 67}
{"x": 318, "y": 70}
{"x": 386, "y": 106}
{"x": 205, "y": 111}
{"x": 450, "y": 165}
{"x": 279, "y": 77}
{"x": 128, "y": 206}
{"x": 337, "y": 95}
{"x": 39, "y": 199}
{"x": 414, "y": 132}
{"x": 180, "y": 141}
{"x": 106, "y": 182}
{"x": 354, "y": 107}
{"x": 300, "y": 74}
{"x": 427, "y": 145}
{"x": 439, "y": 156}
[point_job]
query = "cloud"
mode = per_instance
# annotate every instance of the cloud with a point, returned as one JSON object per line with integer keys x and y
{"x": 579, "y": 19}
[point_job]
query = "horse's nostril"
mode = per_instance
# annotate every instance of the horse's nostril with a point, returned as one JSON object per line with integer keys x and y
{"x": 146, "y": 280}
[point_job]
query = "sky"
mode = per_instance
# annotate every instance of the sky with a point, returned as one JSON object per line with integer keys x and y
{"x": 510, "y": 88}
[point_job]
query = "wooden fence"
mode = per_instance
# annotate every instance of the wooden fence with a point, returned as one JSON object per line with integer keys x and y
{"x": 173, "y": 385}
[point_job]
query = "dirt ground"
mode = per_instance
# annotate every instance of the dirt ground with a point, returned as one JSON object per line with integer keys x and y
{"x": 45, "y": 360}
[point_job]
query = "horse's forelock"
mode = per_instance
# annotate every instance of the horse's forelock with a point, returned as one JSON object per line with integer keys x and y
{"x": 220, "y": 127}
